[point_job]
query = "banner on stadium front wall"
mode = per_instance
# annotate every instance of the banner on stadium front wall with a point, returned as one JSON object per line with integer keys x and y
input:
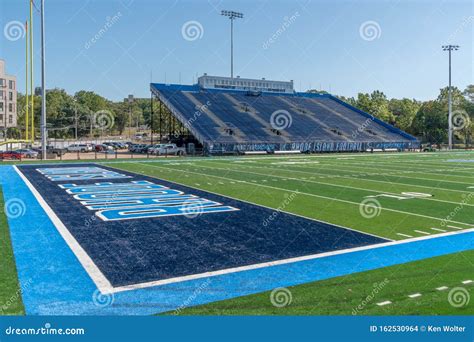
{"x": 319, "y": 146}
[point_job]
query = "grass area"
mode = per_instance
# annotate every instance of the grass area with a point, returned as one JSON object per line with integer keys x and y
{"x": 359, "y": 293}
{"x": 10, "y": 293}
{"x": 394, "y": 196}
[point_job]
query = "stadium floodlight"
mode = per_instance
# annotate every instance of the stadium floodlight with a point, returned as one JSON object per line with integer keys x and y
{"x": 450, "y": 48}
{"x": 232, "y": 16}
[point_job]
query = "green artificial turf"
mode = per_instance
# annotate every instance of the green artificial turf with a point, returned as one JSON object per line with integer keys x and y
{"x": 359, "y": 293}
{"x": 369, "y": 193}
{"x": 10, "y": 292}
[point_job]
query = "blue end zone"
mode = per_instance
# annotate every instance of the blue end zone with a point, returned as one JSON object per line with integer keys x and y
{"x": 130, "y": 250}
{"x": 55, "y": 283}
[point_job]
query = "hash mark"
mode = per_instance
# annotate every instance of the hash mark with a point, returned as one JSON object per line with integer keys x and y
{"x": 415, "y": 295}
{"x": 384, "y": 303}
{"x": 422, "y": 232}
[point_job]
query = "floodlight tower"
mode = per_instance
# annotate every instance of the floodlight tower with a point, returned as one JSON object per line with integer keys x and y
{"x": 232, "y": 16}
{"x": 450, "y": 48}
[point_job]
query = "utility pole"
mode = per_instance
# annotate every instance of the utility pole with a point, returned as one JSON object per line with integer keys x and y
{"x": 450, "y": 48}
{"x": 75, "y": 119}
{"x": 232, "y": 16}
{"x": 130, "y": 102}
{"x": 44, "y": 131}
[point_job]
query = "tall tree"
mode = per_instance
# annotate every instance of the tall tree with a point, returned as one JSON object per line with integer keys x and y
{"x": 431, "y": 123}
{"x": 404, "y": 112}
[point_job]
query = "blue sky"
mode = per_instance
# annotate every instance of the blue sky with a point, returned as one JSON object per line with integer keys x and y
{"x": 345, "y": 47}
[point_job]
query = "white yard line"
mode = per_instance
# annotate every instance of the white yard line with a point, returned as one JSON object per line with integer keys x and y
{"x": 341, "y": 186}
{"x": 312, "y": 195}
{"x": 414, "y": 169}
{"x": 358, "y": 178}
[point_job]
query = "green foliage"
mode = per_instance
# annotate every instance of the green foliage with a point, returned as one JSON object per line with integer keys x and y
{"x": 427, "y": 120}
{"x": 375, "y": 104}
{"x": 404, "y": 111}
{"x": 431, "y": 122}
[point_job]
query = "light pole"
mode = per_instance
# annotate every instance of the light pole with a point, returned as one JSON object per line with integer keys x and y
{"x": 450, "y": 48}
{"x": 232, "y": 16}
{"x": 44, "y": 131}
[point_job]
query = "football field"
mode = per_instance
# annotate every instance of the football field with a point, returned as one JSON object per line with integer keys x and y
{"x": 307, "y": 234}
{"x": 397, "y": 196}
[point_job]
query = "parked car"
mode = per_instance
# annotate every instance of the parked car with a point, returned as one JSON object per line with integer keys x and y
{"x": 10, "y": 155}
{"x": 110, "y": 144}
{"x": 140, "y": 148}
{"x": 58, "y": 151}
{"x": 144, "y": 148}
{"x": 27, "y": 153}
{"x": 169, "y": 149}
{"x": 134, "y": 147}
{"x": 155, "y": 148}
{"x": 80, "y": 148}
{"x": 103, "y": 148}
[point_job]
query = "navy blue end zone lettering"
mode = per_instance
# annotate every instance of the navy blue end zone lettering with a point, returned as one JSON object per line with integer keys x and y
{"x": 165, "y": 246}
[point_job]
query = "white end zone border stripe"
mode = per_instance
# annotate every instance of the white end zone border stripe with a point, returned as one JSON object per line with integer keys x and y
{"x": 106, "y": 287}
{"x": 91, "y": 268}
{"x": 281, "y": 262}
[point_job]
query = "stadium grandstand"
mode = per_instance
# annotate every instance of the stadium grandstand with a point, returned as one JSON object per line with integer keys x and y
{"x": 237, "y": 115}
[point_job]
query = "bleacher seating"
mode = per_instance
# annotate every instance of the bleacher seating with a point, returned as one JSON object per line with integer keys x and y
{"x": 242, "y": 121}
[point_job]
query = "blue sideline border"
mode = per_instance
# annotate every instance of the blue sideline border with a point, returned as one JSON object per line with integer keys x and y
{"x": 54, "y": 282}
{"x": 249, "y": 329}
